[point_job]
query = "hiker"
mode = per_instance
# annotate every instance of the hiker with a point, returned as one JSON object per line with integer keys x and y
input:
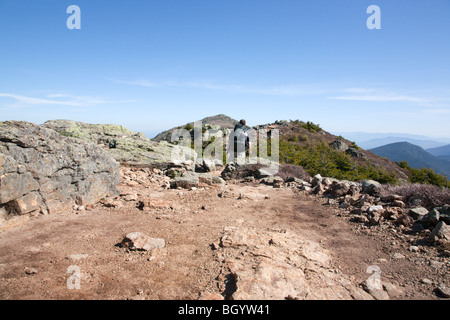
{"x": 241, "y": 140}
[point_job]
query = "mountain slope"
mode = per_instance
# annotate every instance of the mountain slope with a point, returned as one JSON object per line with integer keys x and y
{"x": 416, "y": 157}
{"x": 306, "y": 145}
{"x": 440, "y": 151}
{"x": 220, "y": 120}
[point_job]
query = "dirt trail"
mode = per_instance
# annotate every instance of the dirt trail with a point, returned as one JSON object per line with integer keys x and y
{"x": 35, "y": 256}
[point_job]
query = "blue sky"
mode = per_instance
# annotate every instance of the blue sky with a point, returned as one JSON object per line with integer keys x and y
{"x": 150, "y": 65}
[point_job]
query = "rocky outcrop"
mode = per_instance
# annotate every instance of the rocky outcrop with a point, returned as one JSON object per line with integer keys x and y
{"x": 194, "y": 180}
{"x": 254, "y": 167}
{"x": 209, "y": 126}
{"x": 278, "y": 265}
{"x": 42, "y": 171}
{"x": 124, "y": 145}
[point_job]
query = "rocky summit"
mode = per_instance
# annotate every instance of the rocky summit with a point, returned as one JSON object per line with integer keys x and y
{"x": 137, "y": 224}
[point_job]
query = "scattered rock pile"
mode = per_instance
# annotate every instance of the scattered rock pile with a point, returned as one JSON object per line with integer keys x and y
{"x": 277, "y": 264}
{"x": 364, "y": 202}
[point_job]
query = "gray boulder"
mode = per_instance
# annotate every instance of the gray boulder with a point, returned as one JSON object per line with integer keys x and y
{"x": 272, "y": 180}
{"x": 444, "y": 213}
{"x": 338, "y": 189}
{"x": 43, "y": 171}
{"x": 316, "y": 180}
{"x": 356, "y": 153}
{"x": 339, "y": 145}
{"x": 441, "y": 232}
{"x": 239, "y": 171}
{"x": 192, "y": 179}
{"x": 137, "y": 241}
{"x": 186, "y": 181}
{"x": 418, "y": 213}
{"x": 371, "y": 187}
{"x": 431, "y": 219}
{"x": 262, "y": 173}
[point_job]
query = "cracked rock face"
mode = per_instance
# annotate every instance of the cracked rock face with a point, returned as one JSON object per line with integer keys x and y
{"x": 265, "y": 264}
{"x": 42, "y": 171}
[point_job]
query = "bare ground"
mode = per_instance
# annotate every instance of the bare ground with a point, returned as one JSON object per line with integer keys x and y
{"x": 35, "y": 256}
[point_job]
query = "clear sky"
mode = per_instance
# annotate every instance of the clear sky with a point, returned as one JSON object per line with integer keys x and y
{"x": 151, "y": 65}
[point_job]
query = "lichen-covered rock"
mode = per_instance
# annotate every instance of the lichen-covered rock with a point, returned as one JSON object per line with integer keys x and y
{"x": 371, "y": 187}
{"x": 43, "y": 171}
{"x": 124, "y": 145}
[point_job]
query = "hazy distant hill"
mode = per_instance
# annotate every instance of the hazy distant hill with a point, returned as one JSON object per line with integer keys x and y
{"x": 374, "y": 143}
{"x": 416, "y": 156}
{"x": 446, "y": 157}
{"x": 440, "y": 151}
{"x": 369, "y": 140}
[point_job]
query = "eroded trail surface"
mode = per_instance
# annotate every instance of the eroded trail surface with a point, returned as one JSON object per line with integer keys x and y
{"x": 246, "y": 241}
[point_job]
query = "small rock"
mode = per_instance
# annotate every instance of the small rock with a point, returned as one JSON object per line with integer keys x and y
{"x": 431, "y": 219}
{"x": 392, "y": 290}
{"x": 378, "y": 294}
{"x": 344, "y": 205}
{"x": 413, "y": 248}
{"x": 436, "y": 264}
{"x": 398, "y": 203}
{"x": 443, "y": 291}
{"x": 131, "y": 197}
{"x": 441, "y": 232}
{"x": 30, "y": 270}
{"x": 77, "y": 257}
{"x": 426, "y": 281}
{"x": 373, "y": 209}
{"x": 139, "y": 241}
{"x": 418, "y": 213}
{"x": 404, "y": 220}
{"x": 398, "y": 256}
{"x": 317, "y": 180}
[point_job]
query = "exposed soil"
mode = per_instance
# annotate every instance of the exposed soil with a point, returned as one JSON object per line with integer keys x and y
{"x": 35, "y": 256}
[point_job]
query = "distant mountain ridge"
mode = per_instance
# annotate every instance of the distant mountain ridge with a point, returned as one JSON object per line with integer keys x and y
{"x": 416, "y": 156}
{"x": 440, "y": 151}
{"x": 425, "y": 144}
{"x": 368, "y": 140}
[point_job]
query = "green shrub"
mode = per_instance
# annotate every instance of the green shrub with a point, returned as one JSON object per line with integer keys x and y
{"x": 311, "y": 127}
{"x": 425, "y": 176}
{"x": 324, "y": 160}
{"x": 303, "y": 138}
